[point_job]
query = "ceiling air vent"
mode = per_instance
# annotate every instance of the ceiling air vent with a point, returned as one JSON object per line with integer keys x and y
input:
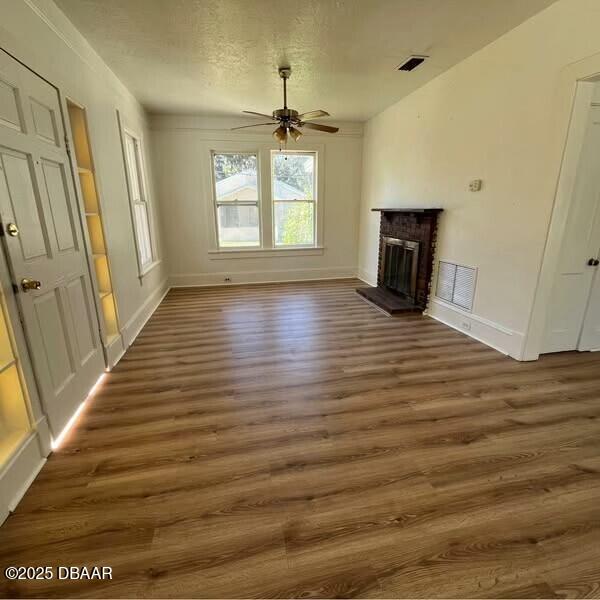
{"x": 412, "y": 62}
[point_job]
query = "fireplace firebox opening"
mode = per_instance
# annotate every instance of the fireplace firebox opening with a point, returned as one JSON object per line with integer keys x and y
{"x": 400, "y": 261}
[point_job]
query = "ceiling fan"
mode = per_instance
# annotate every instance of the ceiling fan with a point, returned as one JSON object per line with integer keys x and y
{"x": 290, "y": 120}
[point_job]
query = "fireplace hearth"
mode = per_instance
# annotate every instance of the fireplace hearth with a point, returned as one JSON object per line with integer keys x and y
{"x": 407, "y": 239}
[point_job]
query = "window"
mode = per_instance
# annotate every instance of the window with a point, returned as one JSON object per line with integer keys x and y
{"x": 236, "y": 196}
{"x": 293, "y": 177}
{"x": 288, "y": 222}
{"x": 139, "y": 201}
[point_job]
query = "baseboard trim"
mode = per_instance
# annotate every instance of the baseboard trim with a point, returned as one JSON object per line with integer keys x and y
{"x": 242, "y": 278}
{"x": 135, "y": 324}
{"x": 487, "y": 332}
{"x": 114, "y": 351}
{"x": 366, "y": 276}
{"x": 20, "y": 471}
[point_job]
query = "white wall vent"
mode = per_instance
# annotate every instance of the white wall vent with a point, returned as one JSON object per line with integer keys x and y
{"x": 456, "y": 284}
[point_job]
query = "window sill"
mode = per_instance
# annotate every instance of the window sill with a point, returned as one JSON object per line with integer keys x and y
{"x": 149, "y": 268}
{"x": 223, "y": 254}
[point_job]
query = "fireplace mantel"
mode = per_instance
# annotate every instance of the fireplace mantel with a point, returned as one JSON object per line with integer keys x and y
{"x": 418, "y": 225}
{"x": 408, "y": 210}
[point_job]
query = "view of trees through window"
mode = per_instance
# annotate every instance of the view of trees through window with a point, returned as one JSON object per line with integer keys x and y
{"x": 293, "y": 197}
{"x": 227, "y": 165}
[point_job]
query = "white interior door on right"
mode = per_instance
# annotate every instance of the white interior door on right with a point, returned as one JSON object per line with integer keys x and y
{"x": 590, "y": 332}
{"x": 576, "y": 290}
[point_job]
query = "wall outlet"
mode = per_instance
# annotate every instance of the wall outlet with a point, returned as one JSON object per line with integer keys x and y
{"x": 227, "y": 279}
{"x": 466, "y": 325}
{"x": 475, "y": 185}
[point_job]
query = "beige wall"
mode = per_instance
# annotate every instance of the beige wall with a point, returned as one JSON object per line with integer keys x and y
{"x": 182, "y": 146}
{"x": 40, "y": 36}
{"x": 502, "y": 116}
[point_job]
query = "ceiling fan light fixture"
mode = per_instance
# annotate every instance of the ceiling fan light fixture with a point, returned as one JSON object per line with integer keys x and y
{"x": 295, "y": 133}
{"x": 280, "y": 134}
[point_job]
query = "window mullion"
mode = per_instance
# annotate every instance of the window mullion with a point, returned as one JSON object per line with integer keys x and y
{"x": 266, "y": 199}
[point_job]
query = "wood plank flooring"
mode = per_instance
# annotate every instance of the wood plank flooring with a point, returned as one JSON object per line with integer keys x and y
{"x": 291, "y": 441}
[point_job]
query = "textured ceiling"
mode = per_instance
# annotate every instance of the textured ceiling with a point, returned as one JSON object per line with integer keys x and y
{"x": 220, "y": 56}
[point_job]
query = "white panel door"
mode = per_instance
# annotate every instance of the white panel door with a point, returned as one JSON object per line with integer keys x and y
{"x": 575, "y": 275}
{"x": 44, "y": 243}
{"x": 590, "y": 334}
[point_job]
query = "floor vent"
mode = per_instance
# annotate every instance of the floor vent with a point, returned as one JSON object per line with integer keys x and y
{"x": 456, "y": 284}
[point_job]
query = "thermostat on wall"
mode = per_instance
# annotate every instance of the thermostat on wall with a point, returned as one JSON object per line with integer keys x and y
{"x": 475, "y": 185}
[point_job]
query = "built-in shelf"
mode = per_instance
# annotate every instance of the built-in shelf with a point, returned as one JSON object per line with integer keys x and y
{"x": 7, "y": 365}
{"x": 10, "y": 441}
{"x": 95, "y": 226}
{"x": 14, "y": 416}
{"x": 111, "y": 338}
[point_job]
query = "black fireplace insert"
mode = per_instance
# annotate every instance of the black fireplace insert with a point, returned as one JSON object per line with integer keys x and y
{"x": 399, "y": 266}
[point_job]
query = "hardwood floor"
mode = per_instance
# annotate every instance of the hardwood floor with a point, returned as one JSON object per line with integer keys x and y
{"x": 291, "y": 441}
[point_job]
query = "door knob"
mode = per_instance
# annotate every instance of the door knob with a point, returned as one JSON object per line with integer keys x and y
{"x": 30, "y": 284}
{"x": 593, "y": 262}
{"x": 12, "y": 230}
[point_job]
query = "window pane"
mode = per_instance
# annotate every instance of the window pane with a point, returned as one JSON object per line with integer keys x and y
{"x": 132, "y": 167}
{"x": 238, "y": 225}
{"x": 236, "y": 177}
{"x": 294, "y": 223}
{"x": 143, "y": 233}
{"x": 293, "y": 176}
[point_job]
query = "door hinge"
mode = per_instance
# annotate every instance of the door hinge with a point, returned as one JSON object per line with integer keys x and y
{"x": 67, "y": 146}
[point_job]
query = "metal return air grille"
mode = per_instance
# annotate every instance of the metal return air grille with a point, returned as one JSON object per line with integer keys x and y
{"x": 456, "y": 284}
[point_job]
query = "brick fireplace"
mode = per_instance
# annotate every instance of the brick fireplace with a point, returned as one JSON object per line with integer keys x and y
{"x": 407, "y": 238}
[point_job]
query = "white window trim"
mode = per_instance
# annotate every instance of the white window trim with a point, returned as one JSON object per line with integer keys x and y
{"x": 215, "y": 202}
{"x": 265, "y": 252}
{"x": 125, "y": 129}
{"x": 266, "y": 214}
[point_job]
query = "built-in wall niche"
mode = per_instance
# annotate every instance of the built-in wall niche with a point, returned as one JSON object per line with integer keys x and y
{"x": 14, "y": 416}
{"x": 95, "y": 226}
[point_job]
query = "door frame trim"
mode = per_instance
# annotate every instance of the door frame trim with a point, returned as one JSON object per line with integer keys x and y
{"x": 572, "y": 99}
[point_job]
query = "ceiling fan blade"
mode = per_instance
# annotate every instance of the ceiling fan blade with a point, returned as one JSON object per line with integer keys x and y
{"x": 251, "y": 112}
{"x": 313, "y": 114}
{"x": 319, "y": 127}
{"x": 255, "y": 125}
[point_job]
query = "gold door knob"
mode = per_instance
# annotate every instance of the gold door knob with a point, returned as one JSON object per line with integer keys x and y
{"x": 12, "y": 230}
{"x": 30, "y": 284}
